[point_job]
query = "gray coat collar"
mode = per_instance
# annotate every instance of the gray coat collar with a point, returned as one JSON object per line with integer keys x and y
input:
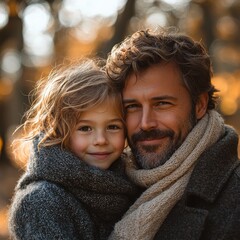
{"x": 214, "y": 166}
{"x": 188, "y": 218}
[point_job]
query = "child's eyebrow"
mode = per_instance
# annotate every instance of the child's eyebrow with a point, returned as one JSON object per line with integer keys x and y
{"x": 84, "y": 121}
{"x": 116, "y": 120}
{"x": 108, "y": 120}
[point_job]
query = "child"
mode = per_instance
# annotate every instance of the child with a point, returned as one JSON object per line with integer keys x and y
{"x": 77, "y": 130}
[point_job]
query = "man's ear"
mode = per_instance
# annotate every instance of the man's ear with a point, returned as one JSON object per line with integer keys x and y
{"x": 201, "y": 105}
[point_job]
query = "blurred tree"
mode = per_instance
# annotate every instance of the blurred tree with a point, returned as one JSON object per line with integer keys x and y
{"x": 120, "y": 28}
{"x": 208, "y": 24}
{"x": 11, "y": 41}
{"x": 13, "y": 85}
{"x": 216, "y": 23}
{"x": 69, "y": 32}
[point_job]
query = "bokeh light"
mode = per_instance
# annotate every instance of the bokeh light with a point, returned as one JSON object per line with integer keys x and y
{"x": 6, "y": 87}
{"x": 38, "y": 39}
{"x": 156, "y": 19}
{"x": 57, "y": 30}
{"x": 3, "y": 221}
{"x": 229, "y": 87}
{"x": 1, "y": 145}
{"x": 92, "y": 8}
{"x": 11, "y": 62}
{"x": 3, "y": 14}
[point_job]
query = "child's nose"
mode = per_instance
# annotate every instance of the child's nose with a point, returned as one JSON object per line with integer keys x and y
{"x": 100, "y": 138}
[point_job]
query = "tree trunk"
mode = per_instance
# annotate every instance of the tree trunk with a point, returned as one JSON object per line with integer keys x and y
{"x": 120, "y": 30}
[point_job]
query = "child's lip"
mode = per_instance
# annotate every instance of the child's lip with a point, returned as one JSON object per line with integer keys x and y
{"x": 100, "y": 155}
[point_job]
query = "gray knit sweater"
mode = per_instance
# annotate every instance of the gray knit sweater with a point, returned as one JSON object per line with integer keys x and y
{"x": 60, "y": 197}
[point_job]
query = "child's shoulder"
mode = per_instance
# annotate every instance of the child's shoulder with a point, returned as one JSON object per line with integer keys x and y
{"x": 44, "y": 208}
{"x": 39, "y": 192}
{"x": 41, "y": 199}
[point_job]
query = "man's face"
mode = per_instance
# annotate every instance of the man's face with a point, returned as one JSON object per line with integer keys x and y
{"x": 159, "y": 114}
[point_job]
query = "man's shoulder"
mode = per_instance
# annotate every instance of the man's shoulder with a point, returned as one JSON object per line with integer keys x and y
{"x": 232, "y": 185}
{"x": 237, "y": 170}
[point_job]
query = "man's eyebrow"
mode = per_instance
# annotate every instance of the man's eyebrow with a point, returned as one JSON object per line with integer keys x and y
{"x": 157, "y": 98}
{"x": 129, "y": 100}
{"x": 164, "y": 97}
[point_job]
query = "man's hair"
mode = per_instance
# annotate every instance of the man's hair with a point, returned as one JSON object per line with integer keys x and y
{"x": 145, "y": 48}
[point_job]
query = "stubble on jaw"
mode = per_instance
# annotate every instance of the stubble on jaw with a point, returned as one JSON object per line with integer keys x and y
{"x": 148, "y": 157}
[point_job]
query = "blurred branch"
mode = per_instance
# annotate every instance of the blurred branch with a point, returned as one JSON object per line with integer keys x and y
{"x": 11, "y": 38}
{"x": 120, "y": 30}
{"x": 208, "y": 23}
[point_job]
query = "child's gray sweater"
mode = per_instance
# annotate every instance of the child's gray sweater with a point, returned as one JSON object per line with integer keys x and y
{"x": 60, "y": 197}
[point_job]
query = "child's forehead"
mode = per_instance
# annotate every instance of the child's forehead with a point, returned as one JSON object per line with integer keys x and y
{"x": 108, "y": 104}
{"x": 111, "y": 101}
{"x": 104, "y": 112}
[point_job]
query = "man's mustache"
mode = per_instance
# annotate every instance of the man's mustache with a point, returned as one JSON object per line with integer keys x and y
{"x": 151, "y": 135}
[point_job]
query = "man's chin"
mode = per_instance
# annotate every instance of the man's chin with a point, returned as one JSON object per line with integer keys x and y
{"x": 149, "y": 157}
{"x": 146, "y": 160}
{"x": 150, "y": 149}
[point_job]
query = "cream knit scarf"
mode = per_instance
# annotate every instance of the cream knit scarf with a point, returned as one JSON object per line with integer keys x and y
{"x": 166, "y": 183}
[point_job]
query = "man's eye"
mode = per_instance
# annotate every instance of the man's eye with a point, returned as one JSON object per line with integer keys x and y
{"x": 131, "y": 107}
{"x": 163, "y": 103}
{"x": 85, "y": 129}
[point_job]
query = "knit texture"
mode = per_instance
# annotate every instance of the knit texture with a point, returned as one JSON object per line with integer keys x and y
{"x": 61, "y": 197}
{"x": 166, "y": 183}
{"x": 210, "y": 206}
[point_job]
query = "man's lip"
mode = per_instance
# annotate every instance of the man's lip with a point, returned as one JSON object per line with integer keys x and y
{"x": 154, "y": 141}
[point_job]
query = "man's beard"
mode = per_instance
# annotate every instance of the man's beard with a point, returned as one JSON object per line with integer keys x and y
{"x": 147, "y": 156}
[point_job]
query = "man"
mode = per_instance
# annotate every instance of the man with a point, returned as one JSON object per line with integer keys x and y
{"x": 183, "y": 154}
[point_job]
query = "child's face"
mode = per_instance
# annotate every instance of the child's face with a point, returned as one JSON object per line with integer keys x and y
{"x": 98, "y": 138}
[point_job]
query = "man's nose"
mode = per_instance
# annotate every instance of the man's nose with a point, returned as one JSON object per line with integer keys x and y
{"x": 149, "y": 120}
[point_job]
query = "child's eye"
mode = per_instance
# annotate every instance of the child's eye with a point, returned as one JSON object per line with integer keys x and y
{"x": 114, "y": 127}
{"x": 85, "y": 129}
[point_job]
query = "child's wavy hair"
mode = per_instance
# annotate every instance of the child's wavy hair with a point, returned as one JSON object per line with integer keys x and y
{"x": 59, "y": 100}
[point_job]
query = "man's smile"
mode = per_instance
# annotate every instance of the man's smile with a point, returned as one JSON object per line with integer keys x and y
{"x": 152, "y": 141}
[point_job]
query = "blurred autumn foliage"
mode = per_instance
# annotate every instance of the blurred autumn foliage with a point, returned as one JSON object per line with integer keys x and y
{"x": 36, "y": 35}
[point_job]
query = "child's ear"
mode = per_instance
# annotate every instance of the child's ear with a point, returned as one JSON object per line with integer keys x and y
{"x": 201, "y": 105}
